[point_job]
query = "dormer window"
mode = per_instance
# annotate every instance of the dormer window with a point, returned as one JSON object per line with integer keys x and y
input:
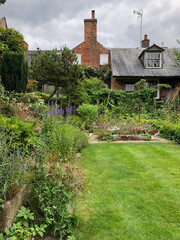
{"x": 153, "y": 60}
{"x": 152, "y": 57}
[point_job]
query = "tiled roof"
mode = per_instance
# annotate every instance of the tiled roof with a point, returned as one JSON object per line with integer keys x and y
{"x": 125, "y": 62}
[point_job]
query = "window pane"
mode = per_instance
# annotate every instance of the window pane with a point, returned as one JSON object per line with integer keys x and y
{"x": 153, "y": 60}
{"x": 78, "y": 55}
{"x": 103, "y": 59}
{"x": 129, "y": 87}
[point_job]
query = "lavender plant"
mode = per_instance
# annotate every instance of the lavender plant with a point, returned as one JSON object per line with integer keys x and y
{"x": 60, "y": 134}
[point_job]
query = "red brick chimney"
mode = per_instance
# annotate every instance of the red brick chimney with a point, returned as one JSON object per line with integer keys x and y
{"x": 145, "y": 42}
{"x": 90, "y": 28}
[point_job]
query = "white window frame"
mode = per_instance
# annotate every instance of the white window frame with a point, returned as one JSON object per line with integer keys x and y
{"x": 104, "y": 58}
{"x": 129, "y": 87}
{"x": 157, "y": 89}
{"x": 78, "y": 55}
{"x": 153, "y": 60}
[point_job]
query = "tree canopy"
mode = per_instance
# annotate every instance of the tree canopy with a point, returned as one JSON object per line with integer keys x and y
{"x": 2, "y": 1}
{"x": 11, "y": 40}
{"x": 58, "y": 69}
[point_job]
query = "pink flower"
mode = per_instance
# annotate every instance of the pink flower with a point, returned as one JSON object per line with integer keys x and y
{"x": 40, "y": 154}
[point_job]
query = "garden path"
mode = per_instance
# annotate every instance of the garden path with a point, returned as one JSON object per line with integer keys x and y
{"x": 93, "y": 139}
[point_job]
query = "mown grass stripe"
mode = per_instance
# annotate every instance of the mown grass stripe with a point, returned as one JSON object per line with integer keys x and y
{"x": 130, "y": 192}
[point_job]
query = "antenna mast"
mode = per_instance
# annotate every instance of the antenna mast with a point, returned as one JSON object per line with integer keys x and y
{"x": 140, "y": 14}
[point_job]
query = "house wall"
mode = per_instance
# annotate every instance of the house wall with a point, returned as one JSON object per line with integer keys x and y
{"x": 90, "y": 53}
{"x": 118, "y": 83}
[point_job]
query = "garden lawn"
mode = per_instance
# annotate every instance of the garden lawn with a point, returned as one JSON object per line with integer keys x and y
{"x": 131, "y": 192}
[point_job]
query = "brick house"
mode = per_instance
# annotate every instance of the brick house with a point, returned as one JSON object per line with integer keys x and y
{"x": 91, "y": 52}
{"x": 153, "y": 63}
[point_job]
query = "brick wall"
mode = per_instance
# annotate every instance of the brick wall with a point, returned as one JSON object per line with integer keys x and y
{"x": 91, "y": 49}
{"x": 117, "y": 85}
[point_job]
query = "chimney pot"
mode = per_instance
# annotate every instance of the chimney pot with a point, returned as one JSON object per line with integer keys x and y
{"x": 145, "y": 42}
{"x": 93, "y": 14}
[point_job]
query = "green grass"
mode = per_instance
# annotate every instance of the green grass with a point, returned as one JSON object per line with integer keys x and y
{"x": 131, "y": 192}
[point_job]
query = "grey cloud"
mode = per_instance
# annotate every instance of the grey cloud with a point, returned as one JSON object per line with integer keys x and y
{"x": 48, "y": 24}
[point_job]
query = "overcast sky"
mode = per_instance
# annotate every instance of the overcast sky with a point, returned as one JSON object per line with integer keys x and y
{"x": 49, "y": 24}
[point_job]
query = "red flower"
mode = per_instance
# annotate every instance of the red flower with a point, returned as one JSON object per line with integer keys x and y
{"x": 105, "y": 97}
{"x": 129, "y": 105}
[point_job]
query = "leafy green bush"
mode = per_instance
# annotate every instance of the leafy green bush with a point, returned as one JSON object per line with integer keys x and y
{"x": 93, "y": 84}
{"x": 53, "y": 198}
{"x": 170, "y": 131}
{"x": 88, "y": 112}
{"x": 81, "y": 140}
{"x": 76, "y": 121}
{"x": 23, "y": 227}
{"x": 20, "y": 131}
{"x": 104, "y": 73}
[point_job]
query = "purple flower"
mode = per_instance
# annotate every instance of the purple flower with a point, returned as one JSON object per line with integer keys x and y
{"x": 69, "y": 100}
{"x": 52, "y": 103}
{"x": 48, "y": 102}
{"x": 56, "y": 101}
{"x": 54, "y": 112}
{"x": 70, "y": 123}
{"x": 70, "y": 110}
{"x": 47, "y": 114}
{"x": 74, "y": 110}
{"x": 65, "y": 118}
{"x": 61, "y": 102}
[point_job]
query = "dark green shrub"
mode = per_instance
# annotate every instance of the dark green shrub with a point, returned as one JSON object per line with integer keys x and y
{"x": 78, "y": 95}
{"x": 14, "y": 72}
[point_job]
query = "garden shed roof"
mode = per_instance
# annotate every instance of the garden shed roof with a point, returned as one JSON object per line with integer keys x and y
{"x": 126, "y": 63}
